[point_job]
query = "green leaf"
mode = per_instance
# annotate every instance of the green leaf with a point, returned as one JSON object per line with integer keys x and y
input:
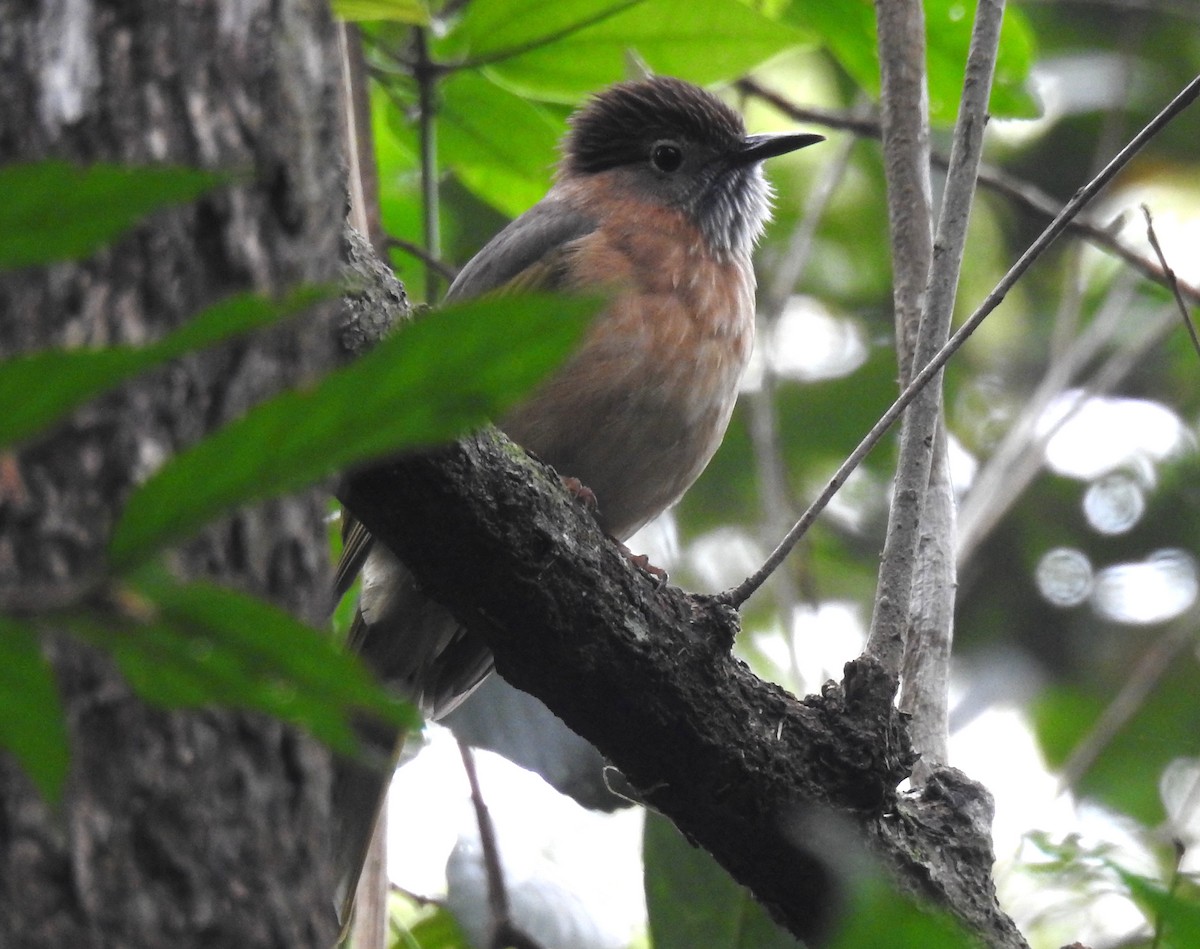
{"x": 1178, "y": 914}
{"x": 414, "y": 12}
{"x": 848, "y": 31}
{"x": 196, "y": 644}
{"x": 38, "y": 389}
{"x": 437, "y": 378}
{"x": 948, "y": 26}
{"x": 53, "y": 210}
{"x": 437, "y": 930}
{"x": 32, "y": 724}
{"x": 881, "y": 918}
{"x": 693, "y": 902}
{"x": 1126, "y": 773}
{"x": 559, "y": 50}
{"x": 500, "y": 145}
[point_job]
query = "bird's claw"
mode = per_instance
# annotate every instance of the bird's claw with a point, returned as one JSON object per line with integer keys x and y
{"x": 581, "y": 493}
{"x": 642, "y": 563}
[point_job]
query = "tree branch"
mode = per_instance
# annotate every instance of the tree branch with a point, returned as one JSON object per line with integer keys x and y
{"x": 1084, "y": 196}
{"x": 1172, "y": 281}
{"x": 904, "y": 129}
{"x": 893, "y": 607}
{"x": 743, "y": 768}
{"x": 1024, "y": 195}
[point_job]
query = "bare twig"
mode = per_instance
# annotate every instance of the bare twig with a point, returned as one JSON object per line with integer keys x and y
{"x": 1172, "y": 890}
{"x": 511, "y": 52}
{"x": 426, "y": 77}
{"x": 1145, "y": 676}
{"x": 776, "y": 501}
{"x": 1021, "y": 193}
{"x": 1020, "y": 454}
{"x": 893, "y": 594}
{"x": 369, "y": 921}
{"x": 360, "y": 147}
{"x": 930, "y": 606}
{"x": 1172, "y": 281}
{"x": 445, "y": 270}
{"x": 504, "y": 932}
{"x": 1180, "y": 8}
{"x": 737, "y": 595}
{"x": 497, "y": 891}
{"x": 905, "y": 132}
{"x": 925, "y": 673}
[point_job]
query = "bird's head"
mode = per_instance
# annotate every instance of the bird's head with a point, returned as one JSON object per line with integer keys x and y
{"x": 672, "y": 142}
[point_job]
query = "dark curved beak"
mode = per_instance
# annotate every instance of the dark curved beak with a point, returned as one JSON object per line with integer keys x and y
{"x": 770, "y": 144}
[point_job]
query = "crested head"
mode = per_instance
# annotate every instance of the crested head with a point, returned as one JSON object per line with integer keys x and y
{"x": 675, "y": 143}
{"x": 614, "y": 127}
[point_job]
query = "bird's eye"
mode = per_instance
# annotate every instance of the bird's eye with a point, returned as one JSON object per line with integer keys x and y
{"x": 666, "y": 156}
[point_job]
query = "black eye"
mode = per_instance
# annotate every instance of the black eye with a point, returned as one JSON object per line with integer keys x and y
{"x": 666, "y": 156}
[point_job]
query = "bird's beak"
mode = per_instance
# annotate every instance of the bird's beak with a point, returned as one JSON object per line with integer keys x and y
{"x": 769, "y": 145}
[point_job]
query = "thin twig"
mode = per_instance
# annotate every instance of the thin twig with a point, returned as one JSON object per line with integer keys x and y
{"x": 1179, "y": 8}
{"x": 1021, "y": 453}
{"x": 737, "y": 595}
{"x": 1172, "y": 890}
{"x": 778, "y": 506}
{"x": 1172, "y": 281}
{"x": 447, "y": 272}
{"x": 490, "y": 59}
{"x": 497, "y": 891}
{"x": 362, "y": 174}
{"x": 370, "y": 921}
{"x": 906, "y": 150}
{"x": 504, "y": 932}
{"x": 1146, "y": 675}
{"x": 893, "y": 594}
{"x": 426, "y": 78}
{"x": 1021, "y": 193}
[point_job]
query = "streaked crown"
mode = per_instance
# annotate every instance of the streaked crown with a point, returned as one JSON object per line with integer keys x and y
{"x": 670, "y": 142}
{"x": 617, "y": 126}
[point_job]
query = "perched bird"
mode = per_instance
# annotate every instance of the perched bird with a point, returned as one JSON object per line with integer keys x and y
{"x": 658, "y": 201}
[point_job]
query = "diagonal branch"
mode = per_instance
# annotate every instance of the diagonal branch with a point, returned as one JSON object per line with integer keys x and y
{"x": 1084, "y": 196}
{"x": 1172, "y": 281}
{"x": 1024, "y": 195}
{"x": 645, "y": 673}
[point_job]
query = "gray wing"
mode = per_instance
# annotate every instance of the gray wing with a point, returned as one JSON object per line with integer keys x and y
{"x": 409, "y": 641}
{"x": 526, "y": 255}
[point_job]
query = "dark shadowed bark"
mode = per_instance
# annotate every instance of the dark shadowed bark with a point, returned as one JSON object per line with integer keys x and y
{"x": 177, "y": 828}
{"x": 782, "y": 791}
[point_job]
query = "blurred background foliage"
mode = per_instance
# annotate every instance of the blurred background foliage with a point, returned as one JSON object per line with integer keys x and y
{"x": 1073, "y": 412}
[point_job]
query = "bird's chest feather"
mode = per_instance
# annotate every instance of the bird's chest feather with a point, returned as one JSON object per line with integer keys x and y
{"x": 681, "y": 325}
{"x": 639, "y": 410}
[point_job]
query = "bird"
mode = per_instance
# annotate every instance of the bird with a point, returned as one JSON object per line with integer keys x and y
{"x": 657, "y": 202}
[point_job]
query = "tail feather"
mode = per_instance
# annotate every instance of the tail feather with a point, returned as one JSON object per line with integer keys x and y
{"x": 416, "y": 647}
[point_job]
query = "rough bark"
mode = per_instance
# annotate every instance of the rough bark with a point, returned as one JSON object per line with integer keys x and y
{"x": 177, "y": 828}
{"x": 760, "y": 779}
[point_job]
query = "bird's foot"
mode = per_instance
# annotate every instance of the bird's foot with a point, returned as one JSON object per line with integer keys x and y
{"x": 581, "y": 493}
{"x": 642, "y": 563}
{"x": 587, "y": 497}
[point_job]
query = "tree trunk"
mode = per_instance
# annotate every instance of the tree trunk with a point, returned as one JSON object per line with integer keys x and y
{"x": 177, "y": 828}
